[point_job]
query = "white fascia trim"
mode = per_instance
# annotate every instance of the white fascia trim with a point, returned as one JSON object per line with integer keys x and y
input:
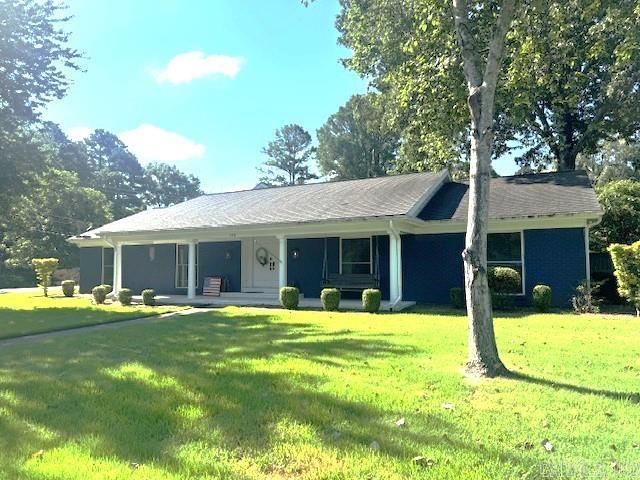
{"x": 443, "y": 177}
{"x": 505, "y": 224}
{"x": 367, "y": 227}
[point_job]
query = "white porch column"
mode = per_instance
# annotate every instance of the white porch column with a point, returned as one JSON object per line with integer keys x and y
{"x": 282, "y": 271}
{"x": 395, "y": 265}
{"x": 117, "y": 267}
{"x": 191, "y": 270}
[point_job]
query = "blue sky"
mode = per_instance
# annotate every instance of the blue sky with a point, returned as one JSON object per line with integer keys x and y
{"x": 204, "y": 85}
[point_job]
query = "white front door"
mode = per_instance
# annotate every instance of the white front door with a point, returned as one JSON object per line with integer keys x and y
{"x": 265, "y": 262}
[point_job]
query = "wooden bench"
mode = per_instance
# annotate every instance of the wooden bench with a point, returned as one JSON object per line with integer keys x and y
{"x": 351, "y": 281}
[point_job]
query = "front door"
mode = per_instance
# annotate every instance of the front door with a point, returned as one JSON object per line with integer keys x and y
{"x": 265, "y": 262}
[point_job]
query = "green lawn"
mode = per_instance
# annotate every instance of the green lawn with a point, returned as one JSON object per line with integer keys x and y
{"x": 28, "y": 312}
{"x": 258, "y": 393}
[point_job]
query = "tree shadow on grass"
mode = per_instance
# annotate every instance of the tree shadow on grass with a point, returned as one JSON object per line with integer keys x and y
{"x": 632, "y": 397}
{"x": 15, "y": 322}
{"x": 144, "y": 394}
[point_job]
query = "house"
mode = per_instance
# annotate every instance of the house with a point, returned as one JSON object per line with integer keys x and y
{"x": 404, "y": 233}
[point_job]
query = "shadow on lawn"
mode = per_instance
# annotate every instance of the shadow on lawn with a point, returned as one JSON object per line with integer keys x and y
{"x": 632, "y": 397}
{"x": 143, "y": 396}
{"x": 17, "y": 322}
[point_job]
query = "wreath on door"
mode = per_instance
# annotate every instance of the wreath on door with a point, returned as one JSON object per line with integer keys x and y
{"x": 262, "y": 256}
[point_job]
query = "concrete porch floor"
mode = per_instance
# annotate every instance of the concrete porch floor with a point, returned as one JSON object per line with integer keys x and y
{"x": 262, "y": 300}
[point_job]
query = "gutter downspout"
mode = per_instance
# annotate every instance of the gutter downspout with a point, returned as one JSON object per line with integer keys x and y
{"x": 395, "y": 260}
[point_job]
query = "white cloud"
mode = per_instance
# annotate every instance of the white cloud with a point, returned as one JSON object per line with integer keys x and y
{"x": 79, "y": 133}
{"x": 152, "y": 144}
{"x": 189, "y": 66}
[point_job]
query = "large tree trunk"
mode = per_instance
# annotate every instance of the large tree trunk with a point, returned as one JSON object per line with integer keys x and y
{"x": 483, "y": 352}
{"x": 483, "y": 357}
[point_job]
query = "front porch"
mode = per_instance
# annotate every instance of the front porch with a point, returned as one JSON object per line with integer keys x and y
{"x": 254, "y": 268}
{"x": 265, "y": 300}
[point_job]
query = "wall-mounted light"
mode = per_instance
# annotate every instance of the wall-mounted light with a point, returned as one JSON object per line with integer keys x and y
{"x": 295, "y": 254}
{"x": 227, "y": 255}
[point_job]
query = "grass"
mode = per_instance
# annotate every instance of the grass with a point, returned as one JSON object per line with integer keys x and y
{"x": 271, "y": 394}
{"x": 28, "y": 312}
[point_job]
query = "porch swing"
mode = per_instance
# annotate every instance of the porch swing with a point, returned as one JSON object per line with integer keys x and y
{"x": 351, "y": 282}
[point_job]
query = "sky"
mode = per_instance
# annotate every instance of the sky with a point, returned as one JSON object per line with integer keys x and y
{"x": 203, "y": 85}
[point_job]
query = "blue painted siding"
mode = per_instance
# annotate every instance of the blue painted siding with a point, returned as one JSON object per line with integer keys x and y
{"x": 139, "y": 271}
{"x": 555, "y": 257}
{"x": 90, "y": 268}
{"x": 306, "y": 271}
{"x": 432, "y": 265}
{"x": 213, "y": 262}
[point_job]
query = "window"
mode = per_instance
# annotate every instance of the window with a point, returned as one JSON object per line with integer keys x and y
{"x": 505, "y": 250}
{"x": 356, "y": 255}
{"x": 182, "y": 266}
{"x": 107, "y": 266}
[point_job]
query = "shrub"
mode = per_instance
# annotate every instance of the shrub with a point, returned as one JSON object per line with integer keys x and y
{"x": 371, "y": 298}
{"x": 501, "y": 301}
{"x": 68, "y": 288}
{"x": 289, "y": 297}
{"x": 99, "y": 294}
{"x": 456, "y": 295}
{"x": 45, "y": 268}
{"x": 503, "y": 283}
{"x": 107, "y": 288}
{"x": 584, "y": 300}
{"x": 504, "y": 280}
{"x": 124, "y": 296}
{"x": 626, "y": 261}
{"x": 330, "y": 298}
{"x": 542, "y": 297}
{"x": 149, "y": 297}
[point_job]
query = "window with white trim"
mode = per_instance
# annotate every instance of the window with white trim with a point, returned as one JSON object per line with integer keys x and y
{"x": 182, "y": 266}
{"x": 505, "y": 250}
{"x": 355, "y": 254}
{"x": 107, "y": 266}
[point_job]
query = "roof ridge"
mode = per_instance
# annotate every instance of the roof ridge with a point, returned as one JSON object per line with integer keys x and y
{"x": 346, "y": 180}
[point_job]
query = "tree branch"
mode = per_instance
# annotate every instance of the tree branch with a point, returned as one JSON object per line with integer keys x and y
{"x": 496, "y": 46}
{"x": 470, "y": 56}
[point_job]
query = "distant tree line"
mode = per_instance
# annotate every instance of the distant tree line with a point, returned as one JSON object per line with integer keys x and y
{"x": 50, "y": 186}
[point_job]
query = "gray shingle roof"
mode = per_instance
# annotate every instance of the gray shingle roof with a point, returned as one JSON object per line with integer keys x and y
{"x": 373, "y": 197}
{"x": 519, "y": 196}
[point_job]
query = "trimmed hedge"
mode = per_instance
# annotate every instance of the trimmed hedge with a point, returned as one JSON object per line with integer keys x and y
{"x": 68, "y": 288}
{"x": 542, "y": 297}
{"x": 501, "y": 301}
{"x": 149, "y": 297}
{"x": 289, "y": 297}
{"x": 457, "y": 297}
{"x": 108, "y": 288}
{"x": 504, "y": 280}
{"x": 99, "y": 294}
{"x": 330, "y": 298}
{"x": 371, "y": 298}
{"x": 124, "y": 296}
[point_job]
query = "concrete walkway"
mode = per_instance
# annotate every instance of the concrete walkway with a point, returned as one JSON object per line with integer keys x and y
{"x": 102, "y": 326}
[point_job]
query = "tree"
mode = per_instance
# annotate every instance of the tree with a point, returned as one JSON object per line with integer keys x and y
{"x": 440, "y": 66}
{"x": 45, "y": 268}
{"x": 55, "y": 208}
{"x": 34, "y": 57}
{"x": 289, "y": 155}
{"x": 616, "y": 160}
{"x": 620, "y": 223}
{"x": 626, "y": 261}
{"x": 355, "y": 143}
{"x": 165, "y": 185}
{"x": 117, "y": 172}
{"x": 570, "y": 79}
